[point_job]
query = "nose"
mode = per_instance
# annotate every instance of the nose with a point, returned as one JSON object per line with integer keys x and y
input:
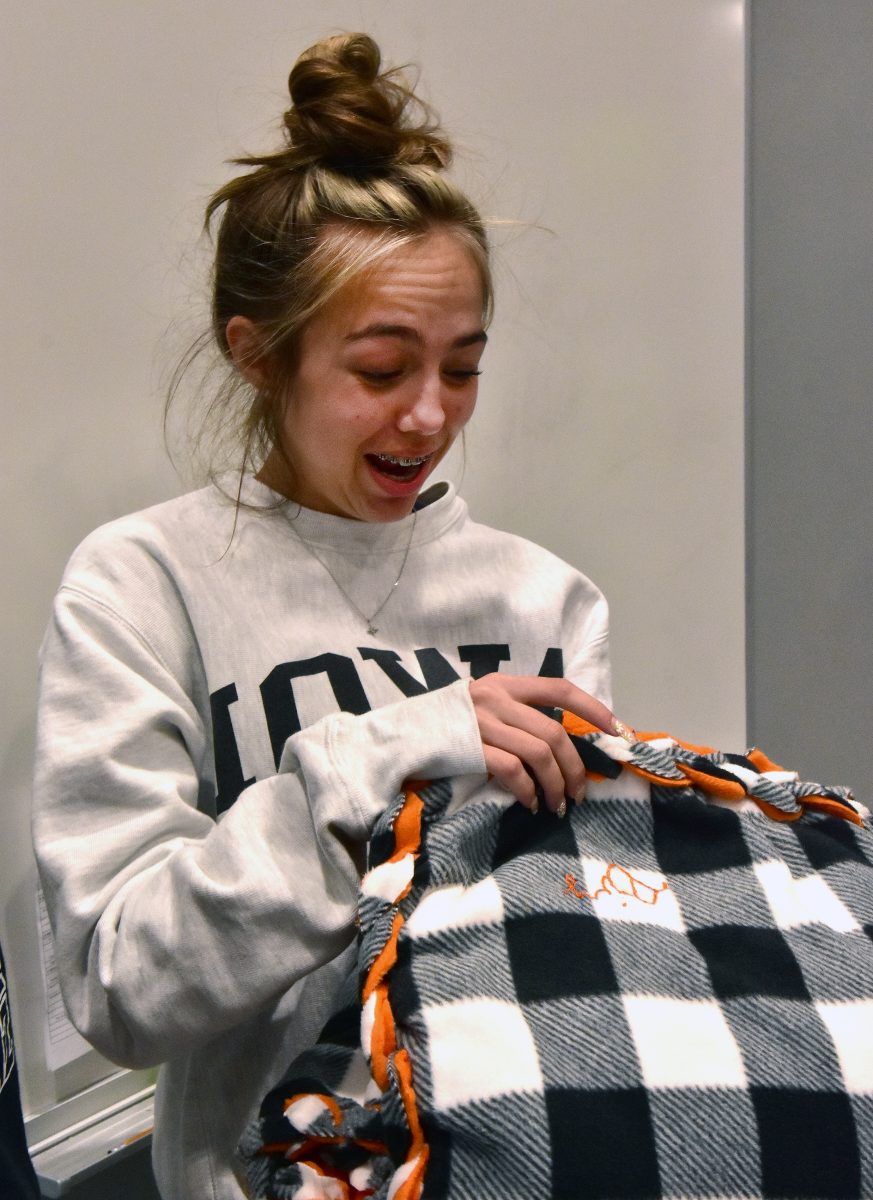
{"x": 425, "y": 413}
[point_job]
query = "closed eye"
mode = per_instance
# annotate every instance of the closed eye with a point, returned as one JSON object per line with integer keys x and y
{"x": 379, "y": 376}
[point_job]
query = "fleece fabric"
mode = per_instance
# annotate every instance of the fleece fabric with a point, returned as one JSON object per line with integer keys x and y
{"x": 217, "y": 735}
{"x": 668, "y": 995}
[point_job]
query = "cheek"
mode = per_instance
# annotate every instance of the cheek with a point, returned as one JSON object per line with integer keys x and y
{"x": 463, "y": 410}
{"x": 344, "y": 417}
{"x": 364, "y": 421}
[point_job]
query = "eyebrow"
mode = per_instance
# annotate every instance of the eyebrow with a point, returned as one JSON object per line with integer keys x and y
{"x": 380, "y": 329}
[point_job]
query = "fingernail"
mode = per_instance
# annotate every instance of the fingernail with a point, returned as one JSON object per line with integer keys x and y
{"x": 562, "y": 808}
{"x": 623, "y": 730}
{"x": 580, "y": 794}
{"x": 535, "y": 806}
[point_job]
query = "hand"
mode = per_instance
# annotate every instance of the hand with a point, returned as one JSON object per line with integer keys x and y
{"x": 526, "y": 750}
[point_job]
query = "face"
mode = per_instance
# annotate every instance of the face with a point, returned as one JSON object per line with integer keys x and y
{"x": 387, "y": 378}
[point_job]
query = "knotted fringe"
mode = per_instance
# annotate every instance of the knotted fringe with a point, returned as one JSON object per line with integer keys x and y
{"x": 671, "y": 763}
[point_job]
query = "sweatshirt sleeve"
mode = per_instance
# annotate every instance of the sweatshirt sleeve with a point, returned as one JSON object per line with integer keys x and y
{"x": 587, "y": 641}
{"x": 170, "y": 927}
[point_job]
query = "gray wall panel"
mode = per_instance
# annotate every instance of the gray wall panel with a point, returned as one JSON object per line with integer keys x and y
{"x": 810, "y": 357}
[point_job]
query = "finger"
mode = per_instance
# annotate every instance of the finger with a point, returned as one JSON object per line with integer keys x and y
{"x": 537, "y": 740}
{"x": 561, "y": 693}
{"x": 497, "y": 708}
{"x": 541, "y": 746}
{"x": 509, "y": 772}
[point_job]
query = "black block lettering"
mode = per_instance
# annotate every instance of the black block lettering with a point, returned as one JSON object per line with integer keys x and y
{"x": 437, "y": 671}
{"x": 553, "y": 664}
{"x": 484, "y": 659}
{"x": 280, "y": 706}
{"x": 228, "y": 767}
{"x": 389, "y": 661}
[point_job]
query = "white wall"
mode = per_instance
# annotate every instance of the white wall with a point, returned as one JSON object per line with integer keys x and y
{"x": 610, "y": 425}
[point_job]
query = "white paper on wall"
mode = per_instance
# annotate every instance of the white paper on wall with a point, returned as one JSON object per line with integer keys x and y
{"x": 63, "y": 1043}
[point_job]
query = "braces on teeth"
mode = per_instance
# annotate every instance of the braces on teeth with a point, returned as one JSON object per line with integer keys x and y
{"x": 403, "y": 462}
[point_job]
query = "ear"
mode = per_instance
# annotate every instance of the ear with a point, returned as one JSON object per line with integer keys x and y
{"x": 246, "y": 344}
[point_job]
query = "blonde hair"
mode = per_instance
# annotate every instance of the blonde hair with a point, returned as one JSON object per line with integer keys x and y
{"x": 362, "y": 172}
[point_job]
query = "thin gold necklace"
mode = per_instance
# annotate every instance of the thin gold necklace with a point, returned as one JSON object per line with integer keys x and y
{"x": 368, "y": 620}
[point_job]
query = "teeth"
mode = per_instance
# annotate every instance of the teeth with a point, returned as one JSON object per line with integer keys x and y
{"x": 403, "y": 462}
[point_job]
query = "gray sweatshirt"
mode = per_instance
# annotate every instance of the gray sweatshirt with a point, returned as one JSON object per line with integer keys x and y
{"x": 218, "y": 732}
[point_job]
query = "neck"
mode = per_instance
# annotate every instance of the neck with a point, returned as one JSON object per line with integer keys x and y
{"x": 276, "y": 474}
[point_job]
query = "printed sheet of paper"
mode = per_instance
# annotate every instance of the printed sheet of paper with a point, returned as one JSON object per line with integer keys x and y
{"x": 63, "y": 1043}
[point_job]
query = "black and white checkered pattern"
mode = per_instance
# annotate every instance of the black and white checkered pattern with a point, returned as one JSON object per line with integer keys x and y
{"x": 659, "y": 996}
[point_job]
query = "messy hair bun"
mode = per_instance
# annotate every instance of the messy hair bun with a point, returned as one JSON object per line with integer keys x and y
{"x": 361, "y": 171}
{"x": 348, "y": 115}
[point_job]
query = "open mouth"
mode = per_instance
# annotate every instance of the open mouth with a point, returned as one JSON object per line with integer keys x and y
{"x": 397, "y": 468}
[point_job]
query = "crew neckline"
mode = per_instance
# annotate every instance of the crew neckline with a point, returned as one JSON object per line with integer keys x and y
{"x": 330, "y": 532}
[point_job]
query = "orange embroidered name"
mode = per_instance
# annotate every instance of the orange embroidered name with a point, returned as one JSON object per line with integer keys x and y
{"x": 617, "y": 881}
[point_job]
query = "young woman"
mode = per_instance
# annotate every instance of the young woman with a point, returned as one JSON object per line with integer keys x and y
{"x": 234, "y": 688}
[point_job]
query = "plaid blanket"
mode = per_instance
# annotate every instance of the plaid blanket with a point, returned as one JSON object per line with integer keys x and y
{"x": 668, "y": 993}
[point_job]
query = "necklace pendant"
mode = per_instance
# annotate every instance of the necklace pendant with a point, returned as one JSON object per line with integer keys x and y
{"x": 372, "y": 629}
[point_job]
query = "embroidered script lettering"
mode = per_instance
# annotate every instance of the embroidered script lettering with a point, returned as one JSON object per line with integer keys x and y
{"x": 617, "y": 881}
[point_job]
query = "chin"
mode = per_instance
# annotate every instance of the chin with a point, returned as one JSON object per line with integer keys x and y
{"x": 391, "y": 509}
